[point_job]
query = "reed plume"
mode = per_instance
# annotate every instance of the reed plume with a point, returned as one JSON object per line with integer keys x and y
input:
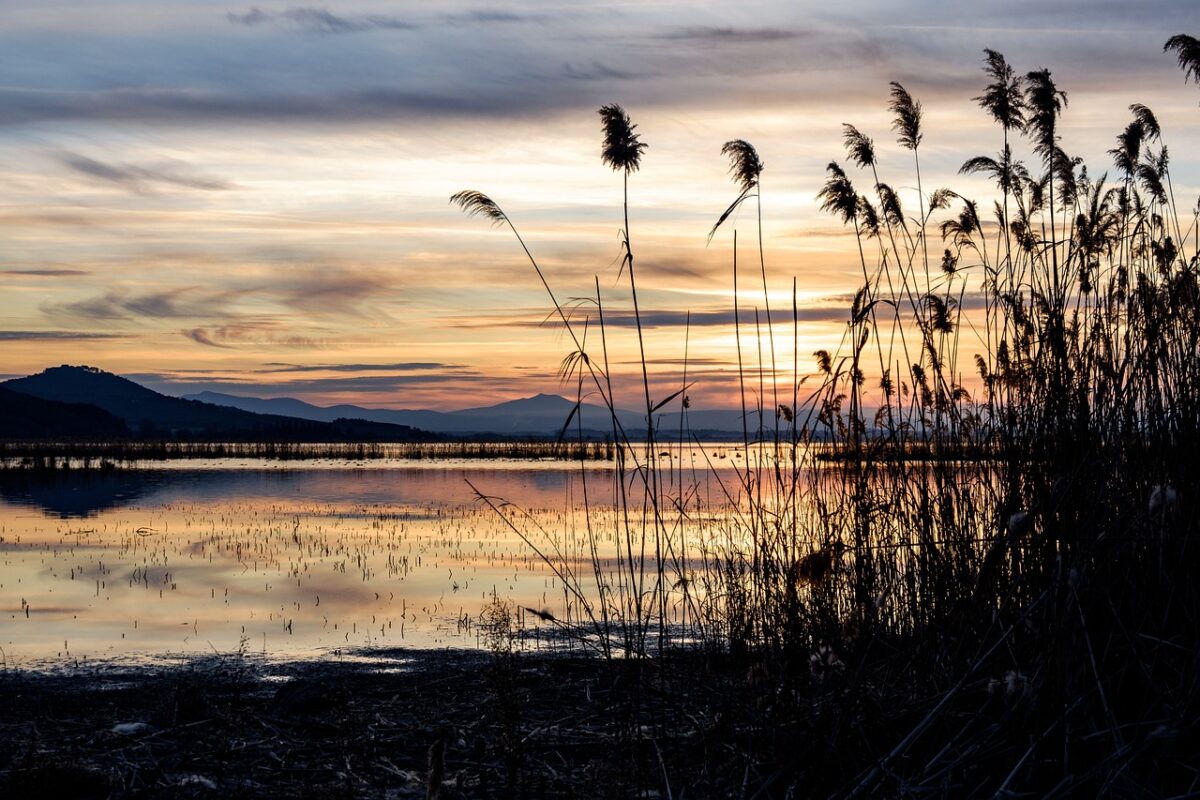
{"x": 1003, "y": 98}
{"x": 1187, "y": 50}
{"x": 478, "y": 204}
{"x": 745, "y": 167}
{"x": 907, "y": 117}
{"x": 859, "y": 147}
{"x": 1045, "y": 102}
{"x": 744, "y": 164}
{"x": 837, "y": 196}
{"x": 622, "y": 149}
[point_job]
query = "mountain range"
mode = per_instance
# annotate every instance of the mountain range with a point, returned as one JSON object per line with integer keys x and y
{"x": 79, "y": 402}
{"x": 87, "y": 403}
{"x": 540, "y": 415}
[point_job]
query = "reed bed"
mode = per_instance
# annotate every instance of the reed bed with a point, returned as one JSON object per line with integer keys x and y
{"x": 110, "y": 455}
{"x": 958, "y": 558}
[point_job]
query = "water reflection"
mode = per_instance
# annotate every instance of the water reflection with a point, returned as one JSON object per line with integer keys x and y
{"x": 70, "y": 494}
{"x": 194, "y": 557}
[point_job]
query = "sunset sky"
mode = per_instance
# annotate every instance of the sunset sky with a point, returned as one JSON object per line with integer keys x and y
{"x": 253, "y": 198}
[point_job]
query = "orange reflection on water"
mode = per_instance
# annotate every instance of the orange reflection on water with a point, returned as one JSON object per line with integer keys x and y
{"x": 191, "y": 558}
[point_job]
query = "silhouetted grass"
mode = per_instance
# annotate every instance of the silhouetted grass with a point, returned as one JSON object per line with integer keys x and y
{"x": 969, "y": 586}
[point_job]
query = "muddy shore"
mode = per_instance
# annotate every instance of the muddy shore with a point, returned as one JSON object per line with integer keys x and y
{"x": 395, "y": 724}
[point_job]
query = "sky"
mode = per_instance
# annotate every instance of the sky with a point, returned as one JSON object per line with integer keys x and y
{"x": 253, "y": 198}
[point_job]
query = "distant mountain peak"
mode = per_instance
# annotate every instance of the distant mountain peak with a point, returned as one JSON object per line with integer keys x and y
{"x": 153, "y": 415}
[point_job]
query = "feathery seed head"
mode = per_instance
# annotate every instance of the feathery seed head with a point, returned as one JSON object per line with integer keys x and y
{"x": 1045, "y": 102}
{"x": 478, "y": 204}
{"x": 622, "y": 149}
{"x": 1145, "y": 117}
{"x": 744, "y": 164}
{"x": 1187, "y": 48}
{"x": 838, "y": 196}
{"x": 1002, "y": 97}
{"x": 907, "y": 111}
{"x": 859, "y": 147}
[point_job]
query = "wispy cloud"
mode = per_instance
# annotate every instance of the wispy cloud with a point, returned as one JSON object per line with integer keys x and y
{"x": 834, "y": 309}
{"x": 667, "y": 318}
{"x": 598, "y": 72}
{"x": 320, "y": 20}
{"x": 36, "y": 336}
{"x": 201, "y": 336}
{"x": 405, "y": 366}
{"x": 330, "y": 291}
{"x": 487, "y": 16}
{"x": 182, "y": 303}
{"x": 176, "y": 382}
{"x": 718, "y": 35}
{"x": 251, "y": 333}
{"x": 143, "y": 179}
{"x": 47, "y": 273}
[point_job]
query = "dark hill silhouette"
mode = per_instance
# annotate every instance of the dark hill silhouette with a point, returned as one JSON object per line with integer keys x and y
{"x": 149, "y": 414}
{"x": 26, "y": 417}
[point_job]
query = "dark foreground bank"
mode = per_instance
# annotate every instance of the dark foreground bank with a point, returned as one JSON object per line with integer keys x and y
{"x": 396, "y": 724}
{"x": 469, "y": 724}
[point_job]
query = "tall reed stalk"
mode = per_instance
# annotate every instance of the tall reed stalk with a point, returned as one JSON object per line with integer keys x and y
{"x": 914, "y": 541}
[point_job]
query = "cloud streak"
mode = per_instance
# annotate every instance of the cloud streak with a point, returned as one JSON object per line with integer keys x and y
{"x": 53, "y": 336}
{"x": 250, "y": 333}
{"x": 722, "y": 35}
{"x": 406, "y": 366}
{"x": 142, "y": 179}
{"x": 47, "y": 273}
{"x": 182, "y": 303}
{"x": 325, "y": 291}
{"x": 201, "y": 336}
{"x": 320, "y": 21}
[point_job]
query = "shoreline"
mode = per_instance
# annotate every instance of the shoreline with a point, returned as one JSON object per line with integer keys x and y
{"x": 472, "y": 722}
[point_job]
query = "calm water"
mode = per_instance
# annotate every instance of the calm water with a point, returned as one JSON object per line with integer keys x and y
{"x": 296, "y": 559}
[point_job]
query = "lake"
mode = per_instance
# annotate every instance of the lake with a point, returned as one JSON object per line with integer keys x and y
{"x": 163, "y": 560}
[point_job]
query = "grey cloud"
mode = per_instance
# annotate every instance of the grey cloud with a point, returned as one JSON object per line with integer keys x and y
{"x": 256, "y": 332}
{"x": 535, "y": 78}
{"x": 385, "y": 383}
{"x": 201, "y": 336}
{"x": 693, "y": 361}
{"x": 407, "y": 366}
{"x": 484, "y": 16}
{"x": 255, "y": 16}
{"x": 675, "y": 268}
{"x": 320, "y": 20}
{"x": 142, "y": 178}
{"x": 313, "y": 290}
{"x": 180, "y": 383}
{"x": 34, "y": 336}
{"x": 120, "y": 305}
{"x": 47, "y": 273}
{"x": 832, "y": 309}
{"x": 597, "y": 71}
{"x": 323, "y": 291}
{"x": 717, "y": 35}
{"x": 107, "y": 307}
{"x": 186, "y": 106}
{"x": 574, "y": 61}
{"x": 703, "y": 319}
{"x": 666, "y": 318}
